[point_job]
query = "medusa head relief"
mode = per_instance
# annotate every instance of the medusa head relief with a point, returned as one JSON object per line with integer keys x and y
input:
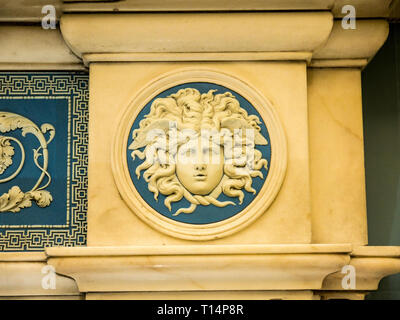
{"x": 198, "y": 154}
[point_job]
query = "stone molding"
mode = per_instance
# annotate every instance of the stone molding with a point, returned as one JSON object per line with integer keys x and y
{"x": 21, "y": 276}
{"x": 351, "y": 47}
{"x": 372, "y": 264}
{"x": 313, "y": 37}
{"x": 301, "y": 271}
{"x": 113, "y": 35}
{"x": 251, "y": 268}
{"x": 15, "y": 11}
{"x": 34, "y": 48}
{"x": 178, "y": 268}
{"x": 364, "y": 8}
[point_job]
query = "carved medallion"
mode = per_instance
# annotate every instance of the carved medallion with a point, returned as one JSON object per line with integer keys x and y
{"x": 199, "y": 155}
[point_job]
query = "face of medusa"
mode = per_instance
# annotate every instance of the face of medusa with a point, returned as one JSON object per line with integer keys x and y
{"x": 200, "y": 166}
{"x": 202, "y": 169}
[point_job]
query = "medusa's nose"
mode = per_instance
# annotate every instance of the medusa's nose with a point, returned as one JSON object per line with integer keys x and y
{"x": 200, "y": 166}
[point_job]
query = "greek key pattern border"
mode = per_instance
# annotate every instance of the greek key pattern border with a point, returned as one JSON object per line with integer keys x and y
{"x": 55, "y": 84}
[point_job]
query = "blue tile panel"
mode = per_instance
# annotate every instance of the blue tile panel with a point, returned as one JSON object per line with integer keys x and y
{"x": 54, "y": 212}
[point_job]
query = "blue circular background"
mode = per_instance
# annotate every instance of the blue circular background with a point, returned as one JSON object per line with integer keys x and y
{"x": 202, "y": 214}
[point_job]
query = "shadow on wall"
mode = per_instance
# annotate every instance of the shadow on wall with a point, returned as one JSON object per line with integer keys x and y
{"x": 381, "y": 113}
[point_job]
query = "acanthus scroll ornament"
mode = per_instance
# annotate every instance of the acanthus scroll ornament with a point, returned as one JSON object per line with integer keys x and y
{"x": 15, "y": 199}
{"x": 6, "y": 153}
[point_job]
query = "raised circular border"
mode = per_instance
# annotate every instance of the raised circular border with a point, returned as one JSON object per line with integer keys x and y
{"x": 216, "y": 230}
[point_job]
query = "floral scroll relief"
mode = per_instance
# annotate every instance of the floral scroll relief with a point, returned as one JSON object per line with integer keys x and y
{"x": 6, "y": 154}
{"x": 15, "y": 199}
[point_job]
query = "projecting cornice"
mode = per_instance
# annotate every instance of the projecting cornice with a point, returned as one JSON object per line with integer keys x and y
{"x": 268, "y": 36}
{"x": 372, "y": 264}
{"x": 30, "y": 11}
{"x": 22, "y": 273}
{"x": 364, "y": 8}
{"x": 196, "y": 37}
{"x": 224, "y": 267}
{"x": 351, "y": 47}
{"x": 204, "y": 268}
{"x": 25, "y": 47}
{"x": 263, "y": 270}
{"x": 314, "y": 37}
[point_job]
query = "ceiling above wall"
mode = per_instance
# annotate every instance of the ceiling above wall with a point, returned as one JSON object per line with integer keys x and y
{"x": 31, "y": 10}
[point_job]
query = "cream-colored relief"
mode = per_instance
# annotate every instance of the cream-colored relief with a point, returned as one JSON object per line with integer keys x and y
{"x": 184, "y": 181}
{"x": 15, "y": 199}
{"x": 6, "y": 153}
{"x": 198, "y": 146}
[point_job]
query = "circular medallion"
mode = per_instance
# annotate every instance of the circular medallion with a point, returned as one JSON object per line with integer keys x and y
{"x": 199, "y": 154}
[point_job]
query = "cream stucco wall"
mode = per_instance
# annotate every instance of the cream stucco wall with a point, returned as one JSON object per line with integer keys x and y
{"x": 337, "y": 156}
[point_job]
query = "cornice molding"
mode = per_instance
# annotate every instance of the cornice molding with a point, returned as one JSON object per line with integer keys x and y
{"x": 24, "y": 47}
{"x": 259, "y": 36}
{"x": 352, "y": 47}
{"x": 141, "y": 272}
{"x": 126, "y": 36}
{"x": 371, "y": 265}
{"x": 312, "y": 37}
{"x": 195, "y": 5}
{"x": 28, "y": 11}
{"x": 21, "y": 276}
{"x": 115, "y": 269}
{"x": 364, "y": 8}
{"x": 187, "y": 250}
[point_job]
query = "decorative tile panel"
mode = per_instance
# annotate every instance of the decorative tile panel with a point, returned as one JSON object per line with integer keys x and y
{"x": 43, "y": 159}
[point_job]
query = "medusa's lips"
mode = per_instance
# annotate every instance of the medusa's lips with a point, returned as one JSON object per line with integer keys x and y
{"x": 200, "y": 176}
